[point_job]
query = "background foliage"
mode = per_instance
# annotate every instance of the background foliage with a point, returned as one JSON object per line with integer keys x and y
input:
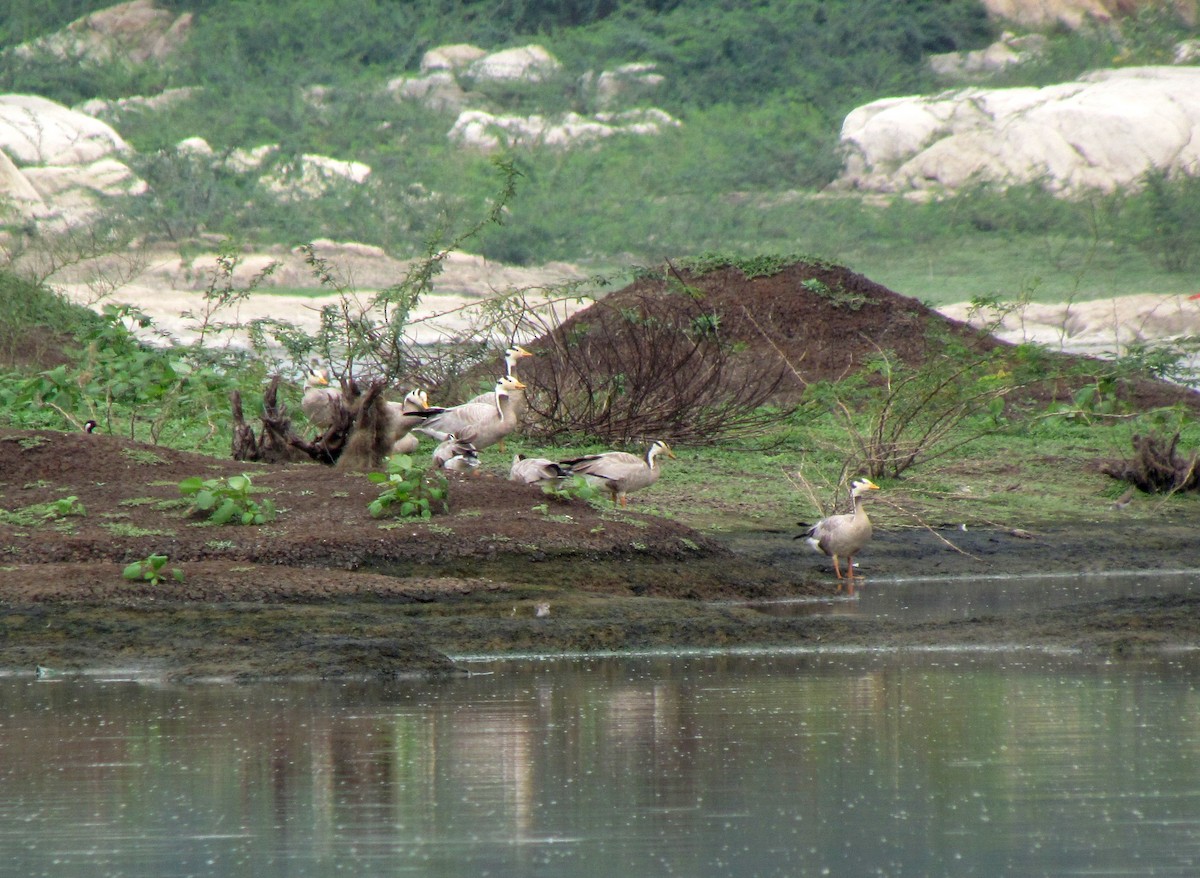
{"x": 761, "y": 89}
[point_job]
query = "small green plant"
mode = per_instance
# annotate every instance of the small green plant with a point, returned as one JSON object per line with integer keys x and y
{"x": 227, "y": 501}
{"x": 408, "y": 493}
{"x": 574, "y": 488}
{"x": 151, "y": 570}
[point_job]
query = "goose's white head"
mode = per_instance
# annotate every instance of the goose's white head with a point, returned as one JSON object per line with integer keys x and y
{"x": 416, "y": 399}
{"x": 656, "y": 448}
{"x": 317, "y": 377}
{"x": 514, "y": 353}
{"x": 861, "y": 486}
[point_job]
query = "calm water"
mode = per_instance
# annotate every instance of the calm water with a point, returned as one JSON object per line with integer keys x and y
{"x": 734, "y": 765}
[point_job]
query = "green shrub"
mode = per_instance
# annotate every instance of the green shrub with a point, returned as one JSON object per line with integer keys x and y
{"x": 408, "y": 492}
{"x": 150, "y": 569}
{"x": 227, "y": 501}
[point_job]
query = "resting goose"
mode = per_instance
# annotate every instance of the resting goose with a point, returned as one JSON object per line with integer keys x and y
{"x": 535, "y": 471}
{"x": 844, "y": 535}
{"x": 320, "y": 400}
{"x": 621, "y": 472}
{"x": 484, "y": 423}
{"x": 456, "y": 455}
{"x": 401, "y": 421}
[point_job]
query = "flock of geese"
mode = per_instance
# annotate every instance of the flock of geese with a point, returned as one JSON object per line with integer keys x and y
{"x": 462, "y": 431}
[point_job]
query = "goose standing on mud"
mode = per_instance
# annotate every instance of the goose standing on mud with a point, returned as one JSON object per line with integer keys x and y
{"x": 485, "y": 423}
{"x": 841, "y": 536}
{"x": 619, "y": 471}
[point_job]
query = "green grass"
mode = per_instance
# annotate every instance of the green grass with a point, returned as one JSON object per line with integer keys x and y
{"x": 1042, "y": 471}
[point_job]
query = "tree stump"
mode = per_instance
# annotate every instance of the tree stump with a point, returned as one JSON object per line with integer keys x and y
{"x": 1157, "y": 467}
{"x": 357, "y": 437}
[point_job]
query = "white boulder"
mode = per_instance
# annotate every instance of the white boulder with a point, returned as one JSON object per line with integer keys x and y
{"x": 452, "y": 58}
{"x": 37, "y": 131}
{"x": 438, "y": 90}
{"x": 487, "y": 132}
{"x": 313, "y": 175}
{"x": 525, "y": 64}
{"x": 138, "y": 31}
{"x": 1100, "y": 132}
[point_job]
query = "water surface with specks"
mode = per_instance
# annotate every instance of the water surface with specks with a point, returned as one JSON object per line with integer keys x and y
{"x": 750, "y": 763}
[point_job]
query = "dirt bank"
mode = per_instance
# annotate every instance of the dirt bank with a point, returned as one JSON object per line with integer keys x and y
{"x": 328, "y": 591}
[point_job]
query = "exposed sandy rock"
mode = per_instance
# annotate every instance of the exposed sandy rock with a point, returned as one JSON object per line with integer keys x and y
{"x": 1102, "y": 131}
{"x": 138, "y": 31}
{"x": 38, "y": 131}
{"x": 1092, "y": 327}
{"x": 1076, "y": 13}
{"x": 169, "y": 289}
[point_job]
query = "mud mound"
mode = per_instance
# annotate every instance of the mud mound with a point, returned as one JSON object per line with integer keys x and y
{"x": 821, "y": 322}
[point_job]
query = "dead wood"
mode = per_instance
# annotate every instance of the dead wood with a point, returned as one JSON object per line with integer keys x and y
{"x": 1157, "y": 467}
{"x": 358, "y": 436}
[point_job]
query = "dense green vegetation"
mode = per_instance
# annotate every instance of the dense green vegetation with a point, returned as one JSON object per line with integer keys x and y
{"x": 761, "y": 89}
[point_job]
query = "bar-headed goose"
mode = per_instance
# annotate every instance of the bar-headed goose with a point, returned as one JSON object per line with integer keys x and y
{"x": 841, "y": 536}
{"x": 485, "y": 423}
{"x": 320, "y": 399}
{"x": 401, "y": 420}
{"x": 455, "y": 455}
{"x": 512, "y": 356}
{"x": 619, "y": 471}
{"x": 535, "y": 471}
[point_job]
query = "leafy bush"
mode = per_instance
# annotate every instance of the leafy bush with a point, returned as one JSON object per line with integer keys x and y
{"x": 1165, "y": 219}
{"x": 898, "y": 415}
{"x": 227, "y": 501}
{"x": 409, "y": 492}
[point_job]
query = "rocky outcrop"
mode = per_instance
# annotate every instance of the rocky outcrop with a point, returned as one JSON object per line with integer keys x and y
{"x": 57, "y": 165}
{"x": 486, "y": 132}
{"x": 1076, "y": 13}
{"x": 467, "y": 80}
{"x": 1100, "y": 132}
{"x": 136, "y": 32}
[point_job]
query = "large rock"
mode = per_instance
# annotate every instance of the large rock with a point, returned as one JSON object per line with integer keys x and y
{"x": 136, "y": 32}
{"x": 37, "y": 131}
{"x": 1101, "y": 132}
{"x": 1076, "y": 13}
{"x": 526, "y": 64}
{"x": 56, "y": 164}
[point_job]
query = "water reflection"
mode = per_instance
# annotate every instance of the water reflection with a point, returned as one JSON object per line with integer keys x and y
{"x": 727, "y": 765}
{"x": 942, "y": 599}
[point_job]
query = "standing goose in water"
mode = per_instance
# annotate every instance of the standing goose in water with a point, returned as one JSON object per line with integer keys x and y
{"x": 486, "y": 423}
{"x": 843, "y": 535}
{"x": 620, "y": 472}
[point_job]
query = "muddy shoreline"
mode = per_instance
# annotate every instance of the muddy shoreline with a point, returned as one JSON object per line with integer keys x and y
{"x": 327, "y": 591}
{"x": 243, "y": 625}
